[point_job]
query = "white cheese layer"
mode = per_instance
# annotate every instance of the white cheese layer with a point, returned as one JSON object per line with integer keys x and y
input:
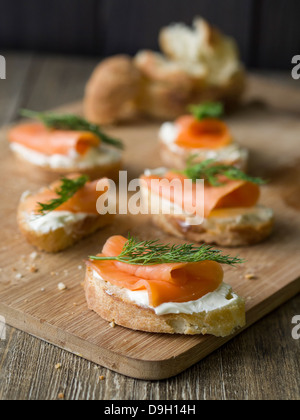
{"x": 93, "y": 158}
{"x": 218, "y": 299}
{"x": 169, "y": 133}
{"x": 54, "y": 220}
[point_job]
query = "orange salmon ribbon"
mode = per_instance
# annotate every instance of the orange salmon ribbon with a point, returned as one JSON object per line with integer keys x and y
{"x": 206, "y": 134}
{"x": 180, "y": 282}
{"x": 37, "y": 137}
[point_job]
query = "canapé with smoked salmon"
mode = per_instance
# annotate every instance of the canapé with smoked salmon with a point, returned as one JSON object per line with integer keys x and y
{"x": 57, "y": 145}
{"x": 223, "y": 211}
{"x": 58, "y": 216}
{"x": 159, "y": 288}
{"x": 202, "y": 134}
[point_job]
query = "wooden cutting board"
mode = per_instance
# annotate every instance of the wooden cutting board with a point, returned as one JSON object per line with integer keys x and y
{"x": 269, "y": 125}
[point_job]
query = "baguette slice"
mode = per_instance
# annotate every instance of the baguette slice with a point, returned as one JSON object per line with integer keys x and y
{"x": 113, "y": 305}
{"x": 176, "y": 157}
{"x": 233, "y": 228}
{"x": 60, "y": 238}
{"x": 47, "y": 174}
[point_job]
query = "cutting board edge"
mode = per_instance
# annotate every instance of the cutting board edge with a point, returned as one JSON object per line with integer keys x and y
{"x": 140, "y": 368}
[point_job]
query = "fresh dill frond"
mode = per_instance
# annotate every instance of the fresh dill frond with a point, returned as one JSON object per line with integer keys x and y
{"x": 207, "y": 110}
{"x": 71, "y": 122}
{"x": 67, "y": 189}
{"x": 210, "y": 171}
{"x": 137, "y": 252}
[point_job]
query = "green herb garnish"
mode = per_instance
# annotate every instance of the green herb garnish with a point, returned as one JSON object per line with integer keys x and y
{"x": 210, "y": 171}
{"x": 71, "y": 122}
{"x": 153, "y": 253}
{"x": 207, "y": 110}
{"x": 68, "y": 188}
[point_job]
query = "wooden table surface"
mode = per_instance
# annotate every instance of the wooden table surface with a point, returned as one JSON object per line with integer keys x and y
{"x": 261, "y": 363}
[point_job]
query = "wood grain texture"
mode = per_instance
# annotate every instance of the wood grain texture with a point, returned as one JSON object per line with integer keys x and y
{"x": 264, "y": 365}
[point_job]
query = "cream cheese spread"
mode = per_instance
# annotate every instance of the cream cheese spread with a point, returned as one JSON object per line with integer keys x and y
{"x": 169, "y": 133}
{"x": 54, "y": 220}
{"x": 218, "y": 299}
{"x": 93, "y": 158}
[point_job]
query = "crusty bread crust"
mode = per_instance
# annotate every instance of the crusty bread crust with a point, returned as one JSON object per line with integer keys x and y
{"x": 167, "y": 101}
{"x": 178, "y": 159}
{"x": 47, "y": 175}
{"x": 206, "y": 67}
{"x": 111, "y": 304}
{"x": 110, "y": 93}
{"x": 60, "y": 239}
{"x": 220, "y": 234}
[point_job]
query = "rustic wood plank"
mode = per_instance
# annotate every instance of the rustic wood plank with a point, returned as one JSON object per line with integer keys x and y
{"x": 14, "y": 87}
{"x": 55, "y": 81}
{"x": 265, "y": 367}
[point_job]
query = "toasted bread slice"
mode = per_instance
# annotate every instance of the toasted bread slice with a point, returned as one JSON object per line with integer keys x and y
{"x": 47, "y": 174}
{"x": 113, "y": 305}
{"x": 176, "y": 157}
{"x": 64, "y": 235}
{"x": 228, "y": 227}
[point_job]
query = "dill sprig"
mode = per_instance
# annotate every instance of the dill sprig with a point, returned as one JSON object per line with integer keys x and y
{"x": 207, "y": 110}
{"x": 71, "y": 122}
{"x": 67, "y": 189}
{"x": 137, "y": 252}
{"x": 210, "y": 171}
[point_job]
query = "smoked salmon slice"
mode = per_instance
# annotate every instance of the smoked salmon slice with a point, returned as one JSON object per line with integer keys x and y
{"x": 232, "y": 194}
{"x": 83, "y": 201}
{"x": 164, "y": 282}
{"x": 38, "y": 137}
{"x": 209, "y": 133}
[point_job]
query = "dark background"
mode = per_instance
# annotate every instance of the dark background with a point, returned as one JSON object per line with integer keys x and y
{"x": 268, "y": 31}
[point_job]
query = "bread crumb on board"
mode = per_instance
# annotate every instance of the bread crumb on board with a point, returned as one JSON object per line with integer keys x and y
{"x": 61, "y": 396}
{"x": 33, "y": 268}
{"x": 33, "y": 256}
{"x": 112, "y": 324}
{"x": 58, "y": 366}
{"x": 61, "y": 286}
{"x": 250, "y": 276}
